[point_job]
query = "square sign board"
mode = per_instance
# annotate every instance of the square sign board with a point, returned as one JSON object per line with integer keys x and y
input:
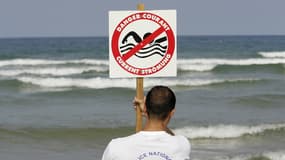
{"x": 142, "y": 43}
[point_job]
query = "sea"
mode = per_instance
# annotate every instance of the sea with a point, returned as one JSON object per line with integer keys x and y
{"x": 57, "y": 101}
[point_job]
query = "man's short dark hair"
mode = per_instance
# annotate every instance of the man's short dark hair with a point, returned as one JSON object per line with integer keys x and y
{"x": 160, "y": 101}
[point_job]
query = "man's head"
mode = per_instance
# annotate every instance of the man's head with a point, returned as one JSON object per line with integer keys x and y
{"x": 160, "y": 102}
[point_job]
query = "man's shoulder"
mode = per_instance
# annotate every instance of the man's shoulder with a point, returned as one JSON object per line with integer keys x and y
{"x": 149, "y": 142}
{"x": 142, "y": 137}
{"x": 183, "y": 143}
{"x": 125, "y": 139}
{"x": 183, "y": 140}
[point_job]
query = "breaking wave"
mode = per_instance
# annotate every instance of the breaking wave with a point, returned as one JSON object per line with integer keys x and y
{"x": 54, "y": 71}
{"x": 17, "y": 67}
{"x": 277, "y": 54}
{"x": 226, "y": 131}
{"x": 210, "y": 64}
{"x": 100, "y": 82}
{"x": 266, "y": 155}
{"x": 36, "y": 62}
{"x": 196, "y": 65}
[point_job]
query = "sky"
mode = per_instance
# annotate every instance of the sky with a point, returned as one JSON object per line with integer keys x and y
{"x": 64, "y": 18}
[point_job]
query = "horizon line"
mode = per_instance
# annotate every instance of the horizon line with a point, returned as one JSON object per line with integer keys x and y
{"x": 106, "y": 36}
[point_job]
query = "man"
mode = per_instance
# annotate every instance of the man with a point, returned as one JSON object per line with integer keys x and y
{"x": 154, "y": 142}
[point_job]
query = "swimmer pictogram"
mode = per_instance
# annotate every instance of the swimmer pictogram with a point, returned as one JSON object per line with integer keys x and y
{"x": 153, "y": 48}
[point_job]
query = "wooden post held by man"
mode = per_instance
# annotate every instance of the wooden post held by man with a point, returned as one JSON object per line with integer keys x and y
{"x": 139, "y": 89}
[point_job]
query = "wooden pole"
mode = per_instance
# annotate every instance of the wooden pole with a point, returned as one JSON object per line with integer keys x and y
{"x": 140, "y": 96}
{"x": 139, "y": 89}
{"x": 140, "y": 7}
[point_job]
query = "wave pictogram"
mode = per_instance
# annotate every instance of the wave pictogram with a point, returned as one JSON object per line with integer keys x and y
{"x": 154, "y": 49}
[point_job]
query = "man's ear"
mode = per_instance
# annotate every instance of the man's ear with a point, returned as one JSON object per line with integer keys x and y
{"x": 172, "y": 112}
{"x": 144, "y": 109}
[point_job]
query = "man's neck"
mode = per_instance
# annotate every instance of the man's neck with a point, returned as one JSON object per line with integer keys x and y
{"x": 150, "y": 126}
{"x": 154, "y": 126}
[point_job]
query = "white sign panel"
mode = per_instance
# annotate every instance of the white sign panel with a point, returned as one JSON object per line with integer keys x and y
{"x": 142, "y": 43}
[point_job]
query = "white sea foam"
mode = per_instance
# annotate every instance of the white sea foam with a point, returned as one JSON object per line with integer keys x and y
{"x": 55, "y": 71}
{"x": 183, "y": 64}
{"x": 196, "y": 67}
{"x": 210, "y": 64}
{"x": 277, "y": 54}
{"x": 225, "y": 131}
{"x": 99, "y": 82}
{"x": 34, "y": 62}
{"x": 94, "y": 83}
{"x": 280, "y": 155}
{"x": 272, "y": 155}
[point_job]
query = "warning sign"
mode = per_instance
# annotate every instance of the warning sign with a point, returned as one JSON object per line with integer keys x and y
{"x": 142, "y": 43}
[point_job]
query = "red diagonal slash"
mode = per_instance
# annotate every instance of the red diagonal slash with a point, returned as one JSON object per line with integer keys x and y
{"x": 144, "y": 42}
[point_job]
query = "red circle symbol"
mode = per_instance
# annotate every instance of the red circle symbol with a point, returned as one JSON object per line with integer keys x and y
{"x": 164, "y": 27}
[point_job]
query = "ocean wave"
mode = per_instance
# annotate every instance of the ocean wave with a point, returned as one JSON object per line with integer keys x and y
{"x": 210, "y": 64}
{"x": 200, "y": 65}
{"x": 93, "y": 83}
{"x": 195, "y": 67}
{"x": 267, "y": 155}
{"x": 100, "y": 82}
{"x": 54, "y": 71}
{"x": 277, "y": 54}
{"x": 35, "y": 62}
{"x": 280, "y": 155}
{"x": 59, "y": 133}
{"x": 226, "y": 131}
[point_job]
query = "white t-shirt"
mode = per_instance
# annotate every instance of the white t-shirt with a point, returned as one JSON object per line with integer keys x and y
{"x": 148, "y": 145}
